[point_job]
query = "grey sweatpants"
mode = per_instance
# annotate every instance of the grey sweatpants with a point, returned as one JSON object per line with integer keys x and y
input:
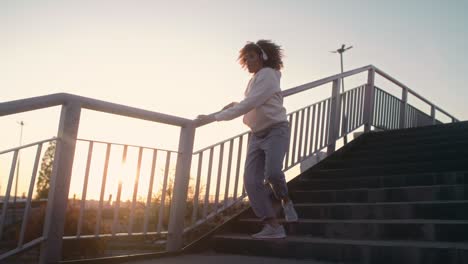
{"x": 263, "y": 168}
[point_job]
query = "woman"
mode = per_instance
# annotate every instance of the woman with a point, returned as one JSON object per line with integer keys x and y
{"x": 265, "y": 114}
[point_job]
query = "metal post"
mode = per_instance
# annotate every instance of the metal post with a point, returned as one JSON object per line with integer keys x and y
{"x": 335, "y": 115}
{"x": 403, "y": 107}
{"x": 369, "y": 100}
{"x": 51, "y": 248}
{"x": 433, "y": 114}
{"x": 182, "y": 177}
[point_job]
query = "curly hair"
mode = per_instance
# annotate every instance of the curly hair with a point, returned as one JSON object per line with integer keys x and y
{"x": 273, "y": 51}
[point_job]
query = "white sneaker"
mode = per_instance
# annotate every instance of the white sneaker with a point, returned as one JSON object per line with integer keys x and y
{"x": 289, "y": 212}
{"x": 270, "y": 232}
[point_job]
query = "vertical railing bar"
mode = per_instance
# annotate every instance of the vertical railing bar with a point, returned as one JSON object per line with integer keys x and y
{"x": 412, "y": 117}
{"x": 135, "y": 192}
{"x": 239, "y": 155}
{"x": 103, "y": 189}
{"x": 379, "y": 108}
{"x": 387, "y": 106}
{"x": 384, "y": 106}
{"x": 85, "y": 189}
{"x": 405, "y": 114}
{"x": 392, "y": 101}
{"x": 208, "y": 183}
{"x": 398, "y": 116}
{"x": 288, "y": 153}
{"x": 348, "y": 110}
{"x": 27, "y": 208}
{"x": 312, "y": 131}
{"x": 384, "y": 110}
{"x": 352, "y": 113}
{"x": 244, "y": 193}
{"x": 355, "y": 109}
{"x": 322, "y": 125}
{"x": 395, "y": 114}
{"x": 344, "y": 117}
{"x": 343, "y": 111}
{"x": 115, "y": 222}
{"x": 301, "y": 135}
{"x": 150, "y": 191}
{"x": 401, "y": 119}
{"x": 358, "y": 108}
{"x": 163, "y": 193}
{"x": 327, "y": 121}
{"x": 319, "y": 107}
{"x": 390, "y": 112}
{"x": 218, "y": 179}
{"x": 296, "y": 122}
{"x": 361, "y": 106}
{"x": 197, "y": 188}
{"x": 416, "y": 122}
{"x": 307, "y": 133}
{"x": 228, "y": 173}
{"x": 8, "y": 190}
{"x": 409, "y": 125}
{"x": 376, "y": 108}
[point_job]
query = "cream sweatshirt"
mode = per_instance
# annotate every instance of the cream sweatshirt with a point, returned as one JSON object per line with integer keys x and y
{"x": 263, "y": 102}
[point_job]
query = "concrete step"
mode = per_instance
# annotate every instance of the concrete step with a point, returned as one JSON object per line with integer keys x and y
{"x": 399, "y": 194}
{"x": 442, "y": 210}
{"x": 365, "y": 229}
{"x": 394, "y": 169}
{"x": 434, "y": 129}
{"x": 401, "y": 148}
{"x": 416, "y": 139}
{"x": 394, "y": 157}
{"x": 385, "y": 160}
{"x": 379, "y": 181}
{"x": 346, "y": 251}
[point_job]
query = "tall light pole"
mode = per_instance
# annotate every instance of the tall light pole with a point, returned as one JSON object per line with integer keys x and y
{"x": 21, "y": 123}
{"x": 341, "y": 51}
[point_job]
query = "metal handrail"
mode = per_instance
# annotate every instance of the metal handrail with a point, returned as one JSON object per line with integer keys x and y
{"x": 317, "y": 83}
{"x": 40, "y": 102}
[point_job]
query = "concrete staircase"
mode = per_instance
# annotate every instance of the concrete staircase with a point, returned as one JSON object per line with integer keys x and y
{"x": 387, "y": 197}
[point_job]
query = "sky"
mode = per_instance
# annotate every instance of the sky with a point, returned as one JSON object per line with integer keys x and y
{"x": 180, "y": 57}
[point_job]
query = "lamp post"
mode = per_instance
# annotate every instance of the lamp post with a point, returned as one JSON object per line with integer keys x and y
{"x": 21, "y": 123}
{"x": 341, "y": 51}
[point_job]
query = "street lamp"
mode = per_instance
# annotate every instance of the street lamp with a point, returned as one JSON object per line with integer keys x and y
{"x": 341, "y": 51}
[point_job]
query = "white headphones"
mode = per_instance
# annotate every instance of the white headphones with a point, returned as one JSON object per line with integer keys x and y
{"x": 264, "y": 55}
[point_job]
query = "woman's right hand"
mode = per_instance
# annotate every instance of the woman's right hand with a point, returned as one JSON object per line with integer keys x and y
{"x": 229, "y": 105}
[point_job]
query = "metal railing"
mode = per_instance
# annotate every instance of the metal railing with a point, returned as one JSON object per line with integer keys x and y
{"x": 218, "y": 168}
